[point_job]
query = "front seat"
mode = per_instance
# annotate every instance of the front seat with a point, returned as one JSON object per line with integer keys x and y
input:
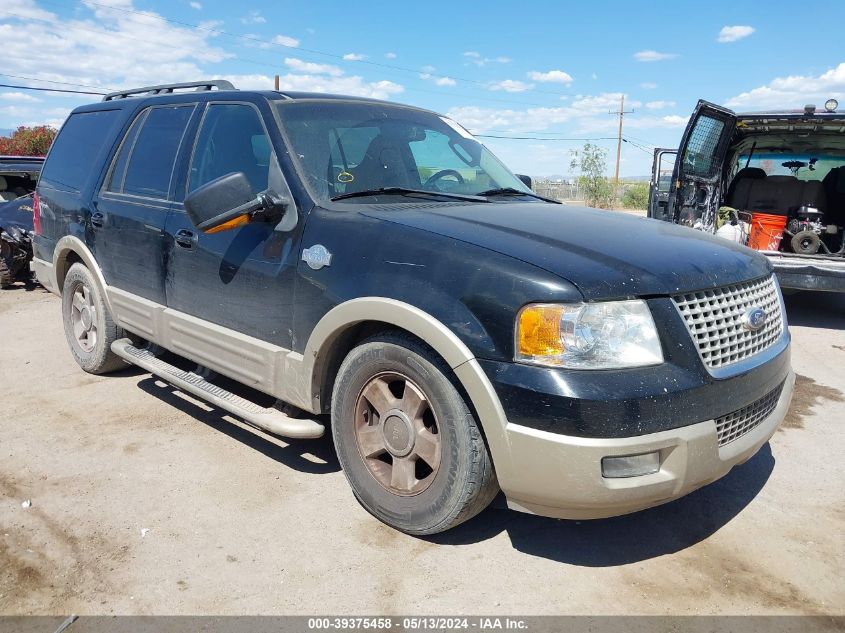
{"x": 4, "y": 194}
{"x": 385, "y": 164}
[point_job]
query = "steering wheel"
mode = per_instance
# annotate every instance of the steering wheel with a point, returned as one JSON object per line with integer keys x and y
{"x": 442, "y": 174}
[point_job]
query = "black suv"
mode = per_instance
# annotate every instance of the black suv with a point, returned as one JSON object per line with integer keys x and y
{"x": 290, "y": 257}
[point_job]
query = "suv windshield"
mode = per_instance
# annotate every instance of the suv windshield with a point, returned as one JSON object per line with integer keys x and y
{"x": 344, "y": 148}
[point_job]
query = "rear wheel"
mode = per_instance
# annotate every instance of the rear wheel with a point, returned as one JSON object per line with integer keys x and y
{"x": 89, "y": 327}
{"x": 409, "y": 446}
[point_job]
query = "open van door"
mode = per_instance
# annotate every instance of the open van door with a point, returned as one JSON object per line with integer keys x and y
{"x": 696, "y": 184}
{"x": 662, "y": 170}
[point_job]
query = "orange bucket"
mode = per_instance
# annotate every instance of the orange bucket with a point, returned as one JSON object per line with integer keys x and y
{"x": 766, "y": 231}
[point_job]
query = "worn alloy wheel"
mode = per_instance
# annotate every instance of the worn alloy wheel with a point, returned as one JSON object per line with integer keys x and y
{"x": 83, "y": 317}
{"x": 408, "y": 443}
{"x": 397, "y": 435}
{"x": 89, "y": 327}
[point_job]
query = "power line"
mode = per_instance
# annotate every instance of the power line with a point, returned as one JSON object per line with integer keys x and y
{"x": 265, "y": 42}
{"x": 50, "y": 81}
{"x": 259, "y": 40}
{"x": 79, "y": 92}
{"x": 275, "y": 66}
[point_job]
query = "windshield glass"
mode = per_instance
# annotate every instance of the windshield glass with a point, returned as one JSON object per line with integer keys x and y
{"x": 344, "y": 148}
{"x": 804, "y": 166}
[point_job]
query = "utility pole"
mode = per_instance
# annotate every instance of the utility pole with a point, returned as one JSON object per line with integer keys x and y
{"x": 621, "y": 114}
{"x": 276, "y": 85}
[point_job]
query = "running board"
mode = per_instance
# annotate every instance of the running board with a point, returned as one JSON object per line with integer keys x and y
{"x": 271, "y": 420}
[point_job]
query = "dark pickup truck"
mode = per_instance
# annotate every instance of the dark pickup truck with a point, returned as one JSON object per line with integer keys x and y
{"x": 308, "y": 260}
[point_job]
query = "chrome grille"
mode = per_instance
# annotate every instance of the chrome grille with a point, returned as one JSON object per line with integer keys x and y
{"x": 734, "y": 425}
{"x": 714, "y": 319}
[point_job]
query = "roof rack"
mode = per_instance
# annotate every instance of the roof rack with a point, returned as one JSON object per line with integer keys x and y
{"x": 150, "y": 91}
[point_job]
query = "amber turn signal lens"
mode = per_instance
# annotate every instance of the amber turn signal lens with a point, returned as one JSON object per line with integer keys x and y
{"x": 538, "y": 331}
{"x": 234, "y": 223}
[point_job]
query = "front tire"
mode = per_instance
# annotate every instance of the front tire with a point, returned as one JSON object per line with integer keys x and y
{"x": 89, "y": 327}
{"x": 408, "y": 444}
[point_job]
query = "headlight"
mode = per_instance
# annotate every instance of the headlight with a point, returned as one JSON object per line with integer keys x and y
{"x": 608, "y": 335}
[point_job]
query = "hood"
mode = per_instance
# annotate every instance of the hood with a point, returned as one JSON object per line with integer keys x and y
{"x": 606, "y": 254}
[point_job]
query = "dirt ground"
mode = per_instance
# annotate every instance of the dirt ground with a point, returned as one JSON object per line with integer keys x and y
{"x": 144, "y": 501}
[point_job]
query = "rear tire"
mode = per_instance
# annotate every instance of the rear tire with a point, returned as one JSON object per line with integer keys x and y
{"x": 89, "y": 327}
{"x": 410, "y": 447}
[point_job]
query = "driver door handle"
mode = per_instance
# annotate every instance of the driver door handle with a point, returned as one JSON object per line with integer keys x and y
{"x": 185, "y": 238}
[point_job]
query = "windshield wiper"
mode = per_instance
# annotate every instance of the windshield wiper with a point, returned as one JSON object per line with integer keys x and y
{"x": 510, "y": 191}
{"x": 405, "y": 191}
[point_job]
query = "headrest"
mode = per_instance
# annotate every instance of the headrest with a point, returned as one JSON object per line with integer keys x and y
{"x": 754, "y": 173}
{"x": 3, "y": 184}
{"x": 775, "y": 179}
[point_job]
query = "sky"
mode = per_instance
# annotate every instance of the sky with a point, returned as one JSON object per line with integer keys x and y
{"x": 548, "y": 71}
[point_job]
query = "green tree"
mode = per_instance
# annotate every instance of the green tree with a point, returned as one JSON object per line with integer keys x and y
{"x": 592, "y": 165}
{"x": 28, "y": 141}
{"x": 636, "y": 196}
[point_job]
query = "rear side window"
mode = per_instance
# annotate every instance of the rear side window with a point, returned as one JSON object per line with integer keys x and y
{"x": 76, "y": 148}
{"x": 702, "y": 146}
{"x": 144, "y": 164}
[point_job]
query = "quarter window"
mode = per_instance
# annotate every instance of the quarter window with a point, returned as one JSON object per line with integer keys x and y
{"x": 232, "y": 139}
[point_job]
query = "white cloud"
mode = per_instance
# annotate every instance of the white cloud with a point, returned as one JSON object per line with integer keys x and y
{"x": 603, "y": 102}
{"x": 551, "y": 76}
{"x": 18, "y": 96}
{"x": 594, "y": 76}
{"x": 286, "y": 40}
{"x": 648, "y": 85}
{"x": 195, "y": 5}
{"x": 151, "y": 51}
{"x": 474, "y": 57}
{"x": 587, "y": 113}
{"x": 794, "y": 91}
{"x": 311, "y": 67}
{"x": 354, "y": 57}
{"x": 295, "y": 82}
{"x": 653, "y": 56}
{"x": 390, "y": 55}
{"x": 253, "y": 17}
{"x": 438, "y": 80}
{"x": 734, "y": 33}
{"x": 510, "y": 85}
{"x": 660, "y": 105}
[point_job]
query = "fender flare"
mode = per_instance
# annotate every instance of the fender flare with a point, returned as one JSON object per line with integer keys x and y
{"x": 72, "y": 244}
{"x": 437, "y": 335}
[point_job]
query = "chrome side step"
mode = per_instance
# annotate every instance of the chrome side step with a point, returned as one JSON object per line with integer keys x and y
{"x": 268, "y": 419}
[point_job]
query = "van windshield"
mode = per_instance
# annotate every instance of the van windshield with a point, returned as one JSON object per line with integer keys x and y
{"x": 343, "y": 148}
{"x": 804, "y": 166}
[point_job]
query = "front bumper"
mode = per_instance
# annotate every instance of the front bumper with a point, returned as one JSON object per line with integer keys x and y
{"x": 560, "y": 476}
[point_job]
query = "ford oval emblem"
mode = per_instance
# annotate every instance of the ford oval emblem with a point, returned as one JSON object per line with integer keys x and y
{"x": 754, "y": 319}
{"x": 317, "y": 256}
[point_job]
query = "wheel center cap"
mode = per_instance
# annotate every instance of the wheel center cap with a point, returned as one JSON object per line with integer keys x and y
{"x": 398, "y": 434}
{"x": 85, "y": 317}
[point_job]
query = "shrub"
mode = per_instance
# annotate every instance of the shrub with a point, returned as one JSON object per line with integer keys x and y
{"x": 28, "y": 141}
{"x": 636, "y": 197}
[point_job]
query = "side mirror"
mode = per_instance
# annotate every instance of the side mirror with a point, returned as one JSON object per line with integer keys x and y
{"x": 525, "y": 179}
{"x": 228, "y": 202}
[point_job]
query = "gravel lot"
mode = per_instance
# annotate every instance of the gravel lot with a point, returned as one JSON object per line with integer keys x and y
{"x": 145, "y": 501}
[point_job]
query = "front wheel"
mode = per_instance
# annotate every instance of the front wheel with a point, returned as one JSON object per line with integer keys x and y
{"x": 409, "y": 446}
